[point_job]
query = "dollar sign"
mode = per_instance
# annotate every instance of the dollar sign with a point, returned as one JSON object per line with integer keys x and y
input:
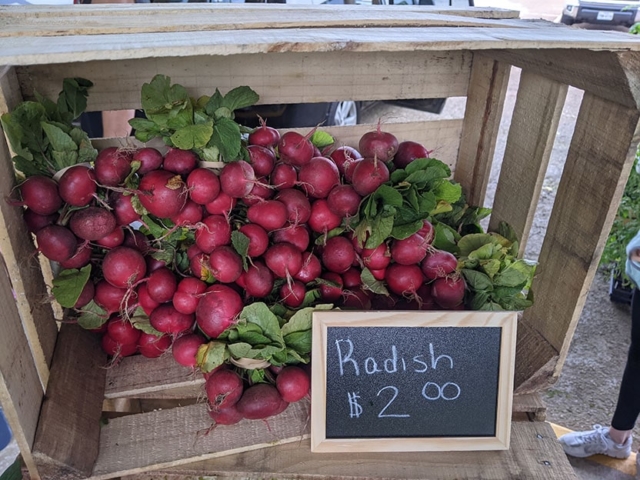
{"x": 355, "y": 409}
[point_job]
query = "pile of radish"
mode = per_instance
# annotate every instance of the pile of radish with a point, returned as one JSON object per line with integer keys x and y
{"x": 224, "y": 266}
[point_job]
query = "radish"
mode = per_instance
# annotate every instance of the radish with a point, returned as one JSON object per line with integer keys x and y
{"x": 355, "y": 300}
{"x": 328, "y": 292}
{"x": 409, "y": 251}
{"x": 189, "y": 216}
{"x": 185, "y": 349}
{"x": 226, "y": 264}
{"x": 226, "y": 416}
{"x": 213, "y": 232}
{"x": 182, "y": 162}
{"x": 35, "y": 221}
{"x": 368, "y": 175}
{"x": 224, "y": 388}
{"x": 203, "y": 185}
{"x": 112, "y": 166}
{"x": 404, "y": 279}
{"x": 344, "y": 157}
{"x": 109, "y": 297}
{"x": 258, "y": 239}
{"x": 311, "y": 268}
{"x": 262, "y": 160}
{"x": 161, "y": 285}
{"x": 448, "y": 292}
{"x": 92, "y": 223}
{"x": 261, "y": 401}
{"x": 295, "y": 149}
{"x": 283, "y": 259}
{"x": 222, "y": 205}
{"x": 270, "y": 214}
{"x": 408, "y": 152}
{"x": 338, "y": 254}
{"x": 264, "y": 136}
{"x": 193, "y": 250}
{"x": 351, "y": 279}
{"x": 122, "y": 332}
{"x": 425, "y": 299}
{"x": 438, "y": 264}
{"x": 123, "y": 266}
{"x": 162, "y": 193}
{"x": 237, "y": 179}
{"x": 378, "y": 144}
{"x": 80, "y": 258}
{"x": 123, "y": 209}
{"x": 77, "y": 186}
{"x": 376, "y": 258}
{"x": 199, "y": 266}
{"x": 113, "y": 239}
{"x": 56, "y": 242}
{"x": 218, "y": 308}
{"x": 293, "y": 384}
{"x": 136, "y": 240}
{"x": 261, "y": 191}
{"x": 344, "y": 201}
{"x": 154, "y": 264}
{"x": 292, "y": 295}
{"x": 378, "y": 274}
{"x": 40, "y": 194}
{"x": 187, "y": 295}
{"x": 297, "y": 203}
{"x": 115, "y": 349}
{"x": 147, "y": 303}
{"x": 296, "y": 235}
{"x": 322, "y": 219}
{"x": 166, "y": 319}
{"x": 284, "y": 176}
{"x": 149, "y": 158}
{"x": 258, "y": 280}
{"x": 318, "y": 177}
{"x": 152, "y": 346}
{"x": 427, "y": 231}
{"x": 88, "y": 291}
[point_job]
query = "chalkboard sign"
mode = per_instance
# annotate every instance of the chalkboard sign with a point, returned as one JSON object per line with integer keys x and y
{"x": 412, "y": 381}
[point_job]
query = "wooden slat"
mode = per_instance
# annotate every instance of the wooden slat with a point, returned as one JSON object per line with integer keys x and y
{"x": 67, "y": 440}
{"x": 533, "y": 128}
{"x": 485, "y": 100}
{"x": 19, "y": 252}
{"x": 598, "y": 163}
{"x": 534, "y": 454}
{"x": 282, "y": 78}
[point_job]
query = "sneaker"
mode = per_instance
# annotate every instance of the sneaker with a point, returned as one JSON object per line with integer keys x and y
{"x": 592, "y": 442}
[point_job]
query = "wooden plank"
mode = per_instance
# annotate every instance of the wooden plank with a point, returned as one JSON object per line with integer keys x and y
{"x": 531, "y": 135}
{"x": 20, "y": 257}
{"x": 282, "y": 78}
{"x": 67, "y": 440}
{"x": 600, "y": 157}
{"x": 534, "y": 454}
{"x": 532, "y": 405}
{"x": 485, "y": 100}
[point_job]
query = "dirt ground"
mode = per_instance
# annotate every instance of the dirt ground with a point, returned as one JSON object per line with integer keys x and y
{"x": 586, "y": 392}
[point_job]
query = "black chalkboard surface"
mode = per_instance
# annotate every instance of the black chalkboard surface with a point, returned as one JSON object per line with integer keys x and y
{"x": 421, "y": 378}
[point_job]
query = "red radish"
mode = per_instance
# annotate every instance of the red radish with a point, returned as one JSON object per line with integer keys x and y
{"x": 115, "y": 349}
{"x": 36, "y": 221}
{"x": 182, "y": 162}
{"x": 292, "y": 295}
{"x": 137, "y": 241}
{"x": 92, "y": 223}
{"x": 351, "y": 279}
{"x": 185, "y": 349}
{"x": 187, "y": 296}
{"x": 344, "y": 156}
{"x": 368, "y": 175}
{"x": 349, "y": 168}
{"x": 189, "y": 216}
{"x": 161, "y": 285}
{"x": 199, "y": 266}
{"x": 355, "y": 300}
{"x": 88, "y": 291}
{"x": 379, "y": 274}
{"x": 427, "y": 231}
{"x": 448, "y": 292}
{"x": 261, "y": 191}
{"x": 224, "y": 388}
{"x": 226, "y": 416}
{"x": 162, "y": 193}
{"x": 284, "y": 176}
{"x": 152, "y": 346}
{"x": 167, "y": 319}
{"x": 264, "y": 136}
{"x": 425, "y": 299}
{"x": 258, "y": 280}
{"x": 357, "y": 246}
{"x": 283, "y": 259}
{"x": 40, "y": 194}
{"x": 338, "y": 254}
{"x": 213, "y": 232}
{"x": 322, "y": 219}
{"x": 297, "y": 203}
{"x": 123, "y": 266}
{"x": 192, "y": 251}
{"x": 258, "y": 239}
{"x": 237, "y": 179}
{"x": 218, "y": 308}
{"x": 318, "y": 177}
{"x": 439, "y": 263}
{"x": 147, "y": 303}
{"x": 378, "y": 144}
{"x": 80, "y": 258}
{"x": 57, "y": 243}
{"x": 77, "y": 186}
{"x": 344, "y": 201}
{"x": 122, "y": 331}
{"x": 261, "y": 400}
{"x": 376, "y": 258}
{"x": 222, "y": 205}
{"x": 408, "y": 152}
{"x": 112, "y": 166}
{"x": 113, "y": 239}
{"x": 123, "y": 209}
{"x": 404, "y": 279}
{"x": 203, "y": 185}
{"x": 240, "y": 281}
{"x": 293, "y": 384}
{"x": 295, "y": 149}
{"x": 270, "y": 214}
{"x": 384, "y": 302}
{"x": 311, "y": 268}
{"x": 109, "y": 297}
{"x": 262, "y": 160}
{"x": 296, "y": 235}
{"x": 328, "y": 292}
{"x": 149, "y": 158}
{"x": 409, "y": 251}
{"x": 226, "y": 264}
{"x": 154, "y": 264}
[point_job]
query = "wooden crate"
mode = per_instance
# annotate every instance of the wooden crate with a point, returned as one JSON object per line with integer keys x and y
{"x": 299, "y": 54}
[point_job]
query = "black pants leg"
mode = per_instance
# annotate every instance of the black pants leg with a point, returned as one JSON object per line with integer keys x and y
{"x": 628, "y": 407}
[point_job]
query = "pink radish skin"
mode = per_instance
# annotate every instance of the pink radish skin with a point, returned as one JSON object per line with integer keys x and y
{"x": 258, "y": 280}
{"x": 149, "y": 158}
{"x": 403, "y": 279}
{"x": 283, "y": 259}
{"x": 161, "y": 285}
{"x": 262, "y": 160}
{"x": 109, "y": 297}
{"x": 376, "y": 258}
{"x": 113, "y": 239}
{"x": 182, "y": 162}
{"x": 237, "y": 179}
{"x": 40, "y": 194}
{"x": 222, "y": 205}
{"x": 329, "y": 293}
{"x": 408, "y": 152}
{"x": 199, "y": 266}
{"x": 318, "y": 177}
{"x": 311, "y": 268}
{"x": 123, "y": 210}
{"x": 295, "y": 149}
{"x": 226, "y": 264}
{"x": 217, "y": 309}
{"x": 378, "y": 274}
{"x": 36, "y": 221}
{"x": 270, "y": 214}
{"x": 438, "y": 264}
{"x": 224, "y": 388}
{"x": 203, "y": 185}
{"x": 425, "y": 299}
{"x": 187, "y": 296}
{"x": 264, "y": 136}
{"x": 112, "y": 166}
{"x": 137, "y": 241}
{"x": 322, "y": 219}
{"x": 185, "y": 348}
{"x": 296, "y": 235}
{"x": 192, "y": 251}
{"x": 57, "y": 243}
{"x": 297, "y": 203}
{"x": 189, "y": 216}
{"x": 351, "y": 279}
{"x": 344, "y": 156}
{"x": 258, "y": 239}
{"x": 115, "y": 349}
{"x": 151, "y": 346}
{"x": 80, "y": 258}
{"x": 284, "y": 176}
{"x": 162, "y": 193}
{"x": 213, "y": 232}
{"x": 344, "y": 201}
{"x": 355, "y": 300}
{"x": 123, "y": 266}
{"x": 259, "y": 401}
{"x": 368, "y": 175}
{"x": 293, "y": 384}
{"x": 448, "y": 292}
{"x": 338, "y": 254}
{"x": 226, "y": 416}
{"x": 147, "y": 303}
{"x": 77, "y": 186}
{"x": 154, "y": 264}
{"x": 427, "y": 232}
{"x": 92, "y": 223}
{"x": 378, "y": 144}
{"x": 261, "y": 191}
{"x": 293, "y": 295}
{"x": 88, "y": 291}
{"x": 409, "y": 251}
{"x": 122, "y": 332}
{"x": 167, "y": 319}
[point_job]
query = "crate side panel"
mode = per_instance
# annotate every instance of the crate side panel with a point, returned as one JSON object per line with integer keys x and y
{"x": 277, "y": 78}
